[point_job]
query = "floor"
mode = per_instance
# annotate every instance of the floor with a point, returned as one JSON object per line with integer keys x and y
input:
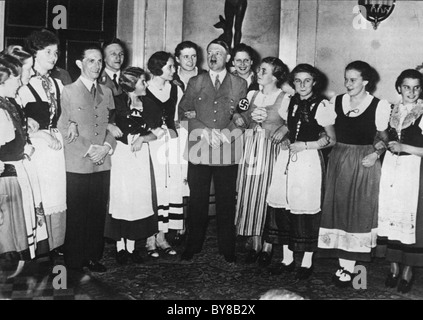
{"x": 207, "y": 277}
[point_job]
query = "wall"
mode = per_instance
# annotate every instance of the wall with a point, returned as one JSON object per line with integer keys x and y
{"x": 328, "y": 39}
{"x": 260, "y": 27}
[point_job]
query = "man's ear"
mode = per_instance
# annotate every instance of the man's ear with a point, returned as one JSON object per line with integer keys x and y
{"x": 79, "y": 64}
{"x": 228, "y": 58}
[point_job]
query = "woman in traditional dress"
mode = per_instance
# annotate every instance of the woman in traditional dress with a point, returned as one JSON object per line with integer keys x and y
{"x": 41, "y": 101}
{"x": 348, "y": 228}
{"x": 266, "y": 129}
{"x": 401, "y": 189}
{"x": 295, "y": 193}
{"x": 22, "y": 225}
{"x": 160, "y": 112}
{"x": 131, "y": 212}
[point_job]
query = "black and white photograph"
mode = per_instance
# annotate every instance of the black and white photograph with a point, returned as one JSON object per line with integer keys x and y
{"x": 204, "y": 156}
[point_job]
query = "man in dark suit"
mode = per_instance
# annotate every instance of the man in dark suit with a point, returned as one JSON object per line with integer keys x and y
{"x": 214, "y": 148}
{"x": 85, "y": 112}
{"x": 114, "y": 57}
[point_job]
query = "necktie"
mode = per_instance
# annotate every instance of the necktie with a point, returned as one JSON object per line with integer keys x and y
{"x": 115, "y": 80}
{"x": 92, "y": 91}
{"x": 217, "y": 83}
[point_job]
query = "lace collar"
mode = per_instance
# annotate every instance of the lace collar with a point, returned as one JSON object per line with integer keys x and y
{"x": 412, "y": 115}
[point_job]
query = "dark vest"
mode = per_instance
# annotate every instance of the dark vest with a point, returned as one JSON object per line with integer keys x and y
{"x": 308, "y": 129}
{"x": 359, "y": 130}
{"x": 156, "y": 113}
{"x": 411, "y": 135}
{"x": 40, "y": 110}
{"x": 13, "y": 150}
{"x": 128, "y": 121}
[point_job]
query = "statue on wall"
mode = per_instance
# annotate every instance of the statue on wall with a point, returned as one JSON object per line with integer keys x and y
{"x": 234, "y": 12}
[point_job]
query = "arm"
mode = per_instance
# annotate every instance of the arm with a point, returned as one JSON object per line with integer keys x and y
{"x": 67, "y": 126}
{"x": 397, "y": 147}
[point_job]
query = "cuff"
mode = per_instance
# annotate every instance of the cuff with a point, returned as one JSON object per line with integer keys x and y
{"x": 111, "y": 148}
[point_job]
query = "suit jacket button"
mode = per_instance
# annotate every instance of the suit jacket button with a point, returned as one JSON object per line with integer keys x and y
{"x": 96, "y": 125}
{"x": 215, "y": 111}
{"x": 95, "y": 107}
{"x": 96, "y": 116}
{"x": 214, "y": 120}
{"x": 96, "y": 134}
{"x": 215, "y": 102}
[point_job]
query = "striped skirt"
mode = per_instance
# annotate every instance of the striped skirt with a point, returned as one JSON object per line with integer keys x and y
{"x": 254, "y": 176}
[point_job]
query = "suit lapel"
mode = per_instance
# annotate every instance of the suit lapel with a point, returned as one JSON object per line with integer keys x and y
{"x": 86, "y": 96}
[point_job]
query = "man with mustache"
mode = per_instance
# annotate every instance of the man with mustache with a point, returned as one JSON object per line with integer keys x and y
{"x": 85, "y": 111}
{"x": 214, "y": 150}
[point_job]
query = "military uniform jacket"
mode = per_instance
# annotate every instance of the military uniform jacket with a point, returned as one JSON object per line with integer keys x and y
{"x": 214, "y": 110}
{"x": 92, "y": 117}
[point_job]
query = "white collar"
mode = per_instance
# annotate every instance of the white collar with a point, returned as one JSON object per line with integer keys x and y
{"x": 88, "y": 83}
{"x": 222, "y": 75}
{"x": 110, "y": 73}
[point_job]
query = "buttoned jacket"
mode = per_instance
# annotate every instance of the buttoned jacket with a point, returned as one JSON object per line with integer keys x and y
{"x": 214, "y": 110}
{"x": 91, "y": 116}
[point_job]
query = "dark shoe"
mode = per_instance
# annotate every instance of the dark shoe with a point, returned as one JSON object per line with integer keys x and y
{"x": 187, "y": 256}
{"x": 252, "y": 256}
{"x": 153, "y": 253}
{"x": 282, "y": 268}
{"x": 136, "y": 257}
{"x": 122, "y": 257}
{"x": 264, "y": 258}
{"x": 391, "y": 280}
{"x": 231, "y": 258}
{"x": 404, "y": 286}
{"x": 303, "y": 273}
{"x": 170, "y": 251}
{"x": 95, "y": 266}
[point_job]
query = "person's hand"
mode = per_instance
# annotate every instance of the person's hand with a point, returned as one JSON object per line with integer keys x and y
{"x": 52, "y": 141}
{"x": 297, "y": 146}
{"x": 33, "y": 126}
{"x": 73, "y": 133}
{"x": 259, "y": 115}
{"x": 190, "y": 114}
{"x": 137, "y": 144}
{"x": 1, "y": 167}
{"x": 239, "y": 120}
{"x": 278, "y": 135}
{"x": 98, "y": 153}
{"x": 395, "y": 147}
{"x": 380, "y": 145}
{"x": 114, "y": 130}
{"x": 369, "y": 160}
{"x": 285, "y": 144}
{"x": 158, "y": 132}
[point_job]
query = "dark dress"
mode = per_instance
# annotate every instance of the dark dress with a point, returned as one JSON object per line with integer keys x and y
{"x": 132, "y": 208}
{"x": 349, "y": 213}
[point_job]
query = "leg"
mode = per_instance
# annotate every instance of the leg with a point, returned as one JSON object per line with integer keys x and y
{"x": 225, "y": 186}
{"x": 239, "y": 18}
{"x": 77, "y": 186}
{"x": 199, "y": 177}
{"x": 99, "y": 197}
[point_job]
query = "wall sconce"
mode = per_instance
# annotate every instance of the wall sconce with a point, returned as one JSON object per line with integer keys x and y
{"x": 375, "y": 11}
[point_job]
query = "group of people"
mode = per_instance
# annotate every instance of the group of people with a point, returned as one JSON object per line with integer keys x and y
{"x": 116, "y": 153}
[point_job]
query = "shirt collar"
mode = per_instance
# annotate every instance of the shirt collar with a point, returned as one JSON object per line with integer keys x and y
{"x": 88, "y": 83}
{"x": 222, "y": 75}
{"x": 110, "y": 73}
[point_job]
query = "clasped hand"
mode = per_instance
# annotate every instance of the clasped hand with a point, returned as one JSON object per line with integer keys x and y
{"x": 98, "y": 153}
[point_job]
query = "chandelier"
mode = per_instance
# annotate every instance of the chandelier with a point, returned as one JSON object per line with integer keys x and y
{"x": 376, "y": 11}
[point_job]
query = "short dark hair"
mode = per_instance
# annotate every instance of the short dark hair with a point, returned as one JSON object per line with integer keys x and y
{"x": 220, "y": 43}
{"x": 368, "y": 73}
{"x": 408, "y": 74}
{"x": 81, "y": 54}
{"x": 280, "y": 70}
{"x": 113, "y": 41}
{"x": 39, "y": 40}
{"x": 185, "y": 45}
{"x": 157, "y": 61}
{"x": 9, "y": 65}
{"x": 315, "y": 73}
{"x": 129, "y": 78}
